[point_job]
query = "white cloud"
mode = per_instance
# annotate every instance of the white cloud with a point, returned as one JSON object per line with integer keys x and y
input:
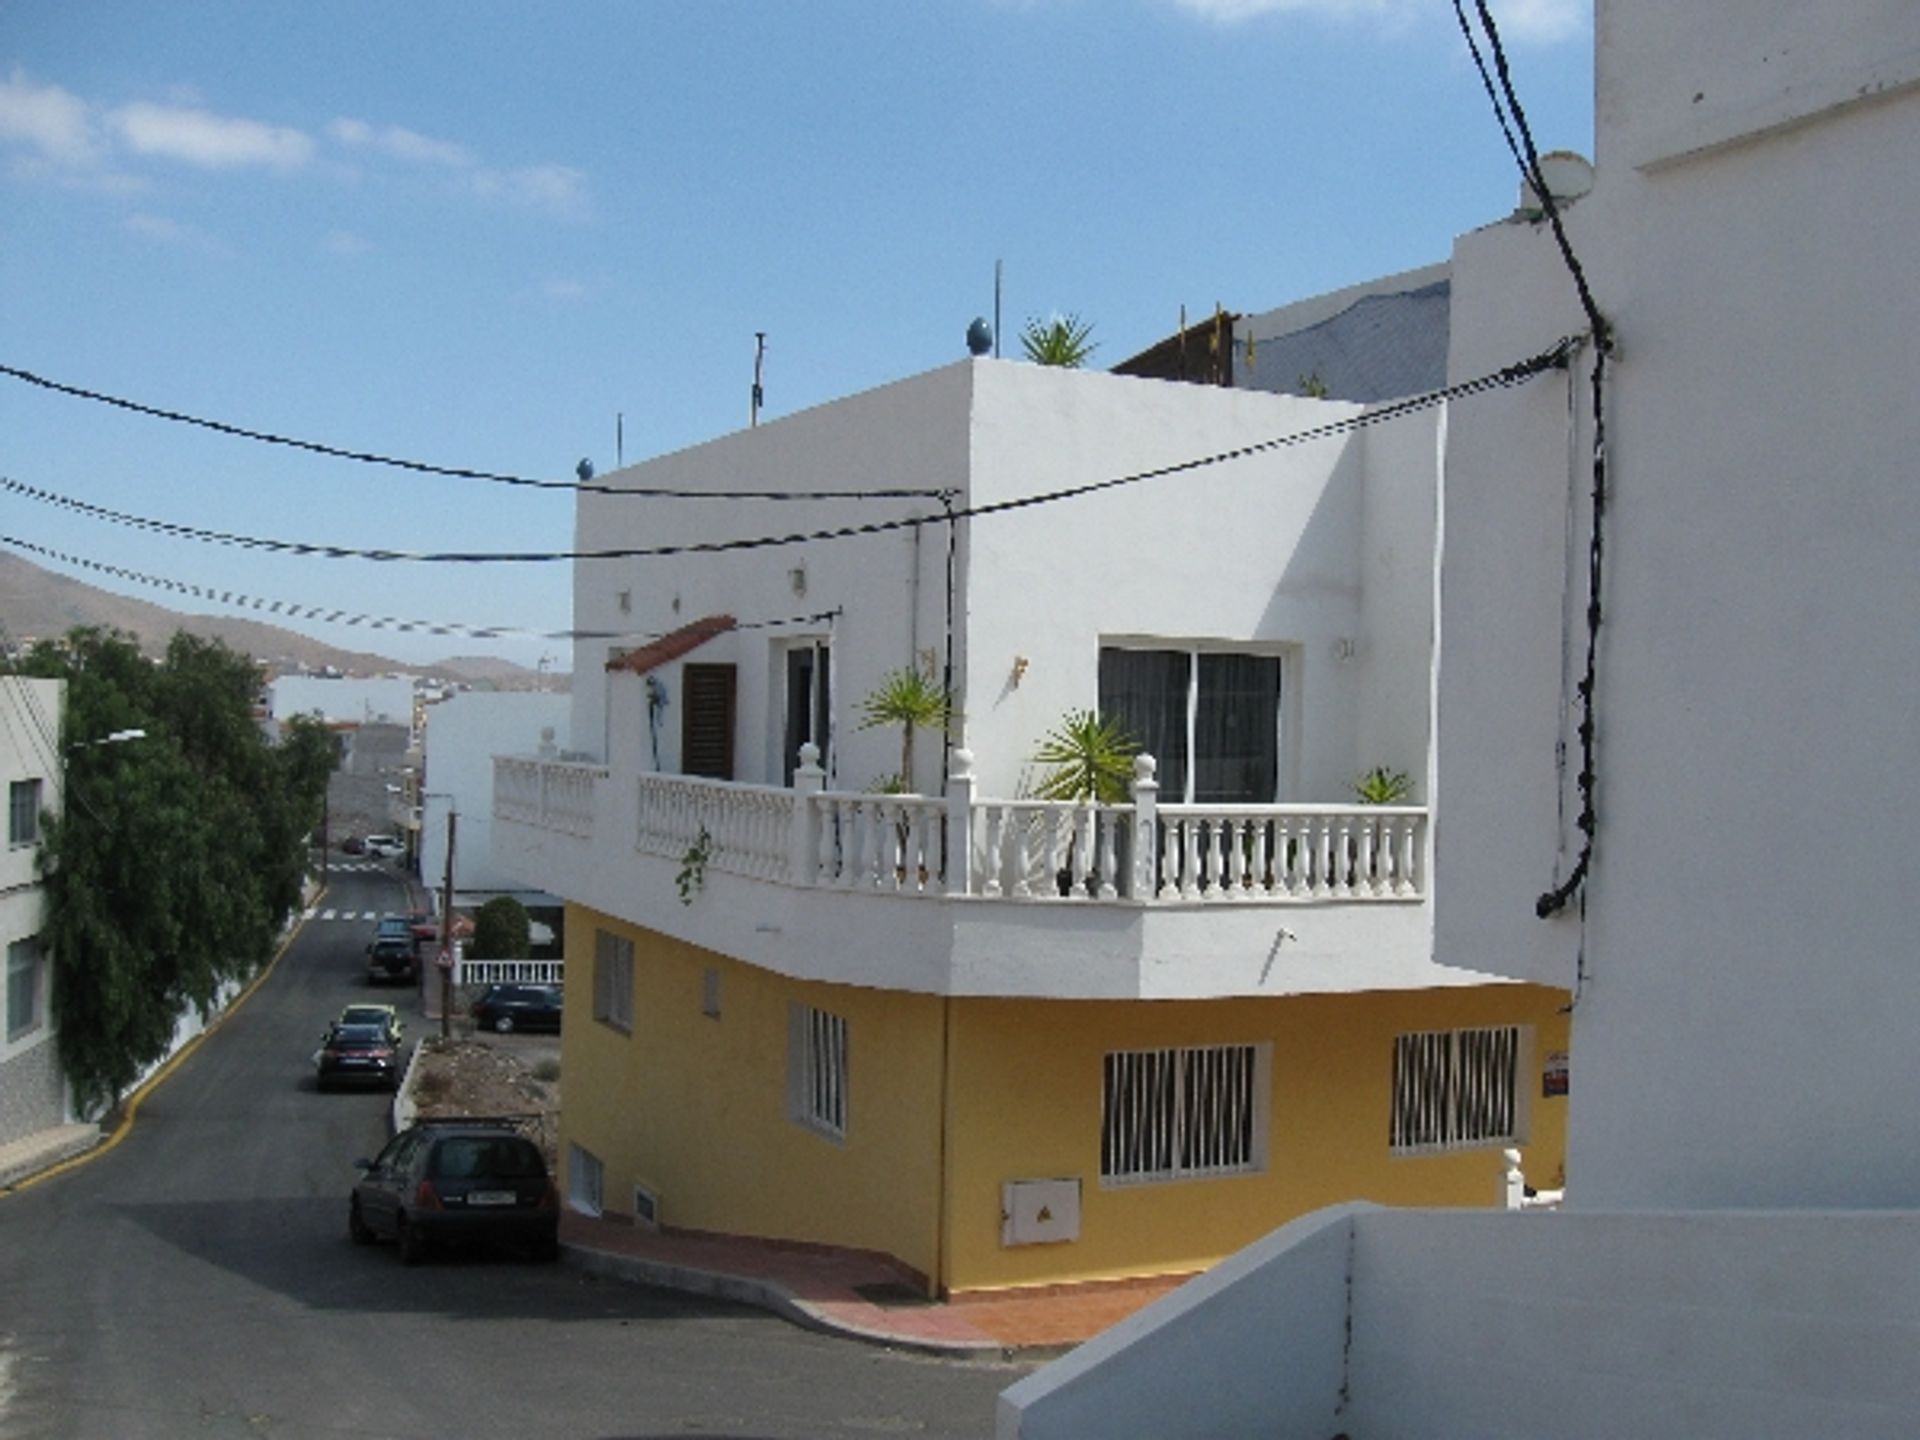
{"x": 558, "y": 190}
{"x": 163, "y": 231}
{"x": 1535, "y": 20}
{"x": 48, "y": 120}
{"x": 401, "y": 143}
{"x": 199, "y": 137}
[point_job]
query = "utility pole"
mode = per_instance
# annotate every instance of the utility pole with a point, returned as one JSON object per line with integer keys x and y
{"x": 445, "y": 958}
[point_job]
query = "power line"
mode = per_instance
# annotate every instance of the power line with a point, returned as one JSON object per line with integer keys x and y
{"x": 1516, "y": 374}
{"x": 294, "y": 610}
{"x": 455, "y": 472}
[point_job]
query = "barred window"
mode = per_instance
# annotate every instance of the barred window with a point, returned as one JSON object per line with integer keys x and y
{"x": 1181, "y": 1113}
{"x": 23, "y": 812}
{"x": 1456, "y": 1089}
{"x": 817, "y": 1070}
{"x": 613, "y": 980}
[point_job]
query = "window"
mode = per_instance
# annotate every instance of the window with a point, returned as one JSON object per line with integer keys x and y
{"x": 1211, "y": 720}
{"x": 23, "y": 987}
{"x": 809, "y": 707}
{"x": 586, "y": 1180}
{"x": 1456, "y": 1089}
{"x": 23, "y": 812}
{"x": 1183, "y": 1113}
{"x": 706, "y": 721}
{"x": 613, "y": 980}
{"x": 817, "y": 1070}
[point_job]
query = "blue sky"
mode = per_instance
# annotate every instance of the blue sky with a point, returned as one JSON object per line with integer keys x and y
{"x": 473, "y": 234}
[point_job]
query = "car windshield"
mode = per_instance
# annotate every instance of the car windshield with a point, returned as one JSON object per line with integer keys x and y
{"x": 359, "y": 1035}
{"x": 493, "y": 1157}
{"x": 364, "y": 1015}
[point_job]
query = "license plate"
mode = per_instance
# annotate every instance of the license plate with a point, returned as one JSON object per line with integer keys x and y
{"x": 492, "y": 1197}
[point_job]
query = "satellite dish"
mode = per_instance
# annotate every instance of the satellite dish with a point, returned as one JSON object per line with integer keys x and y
{"x": 584, "y": 470}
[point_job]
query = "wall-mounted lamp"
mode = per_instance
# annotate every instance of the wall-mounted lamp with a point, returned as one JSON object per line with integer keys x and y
{"x": 797, "y": 578}
{"x": 1345, "y": 647}
{"x": 1020, "y": 663}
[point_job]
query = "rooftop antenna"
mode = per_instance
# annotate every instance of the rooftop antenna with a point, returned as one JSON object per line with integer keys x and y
{"x": 619, "y": 439}
{"x": 759, "y": 361}
{"x": 996, "y": 308}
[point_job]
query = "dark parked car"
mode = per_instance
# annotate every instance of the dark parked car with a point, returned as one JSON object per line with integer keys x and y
{"x": 477, "y": 1181}
{"x": 392, "y": 955}
{"x": 518, "y": 1007}
{"x": 356, "y": 1054}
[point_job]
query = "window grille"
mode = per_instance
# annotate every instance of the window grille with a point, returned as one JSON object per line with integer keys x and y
{"x": 1182, "y": 1113}
{"x": 586, "y": 1180}
{"x": 23, "y": 812}
{"x": 817, "y": 1070}
{"x": 613, "y": 980}
{"x": 1456, "y": 1089}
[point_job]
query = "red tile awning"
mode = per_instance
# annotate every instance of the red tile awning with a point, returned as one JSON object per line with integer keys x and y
{"x": 671, "y": 646}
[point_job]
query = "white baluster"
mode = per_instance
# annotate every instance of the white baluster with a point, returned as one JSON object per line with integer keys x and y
{"x": 1109, "y": 853}
{"x": 1366, "y": 877}
{"x": 994, "y": 860}
{"x": 1190, "y": 857}
{"x": 1079, "y": 849}
{"x": 961, "y": 783}
{"x": 1146, "y": 830}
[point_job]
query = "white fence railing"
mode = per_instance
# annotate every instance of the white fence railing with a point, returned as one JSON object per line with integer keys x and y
{"x": 510, "y": 972}
{"x": 1140, "y": 852}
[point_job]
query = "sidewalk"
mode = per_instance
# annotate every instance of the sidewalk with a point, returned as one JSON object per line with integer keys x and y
{"x": 28, "y": 1156}
{"x": 852, "y": 1293}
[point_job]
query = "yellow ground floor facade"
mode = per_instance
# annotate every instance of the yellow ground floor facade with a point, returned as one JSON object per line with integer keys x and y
{"x": 1140, "y": 1137}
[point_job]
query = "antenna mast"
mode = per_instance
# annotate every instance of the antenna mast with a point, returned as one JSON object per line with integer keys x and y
{"x": 759, "y": 360}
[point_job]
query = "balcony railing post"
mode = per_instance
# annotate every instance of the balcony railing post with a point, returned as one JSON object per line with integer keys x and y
{"x": 1146, "y": 829}
{"x": 803, "y": 836}
{"x": 961, "y": 783}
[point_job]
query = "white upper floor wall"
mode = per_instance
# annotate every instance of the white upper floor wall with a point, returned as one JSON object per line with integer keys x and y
{"x": 1749, "y": 986}
{"x": 462, "y": 735}
{"x": 1320, "y": 554}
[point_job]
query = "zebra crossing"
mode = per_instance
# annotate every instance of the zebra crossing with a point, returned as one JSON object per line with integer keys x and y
{"x": 357, "y": 867}
{"x": 314, "y": 912}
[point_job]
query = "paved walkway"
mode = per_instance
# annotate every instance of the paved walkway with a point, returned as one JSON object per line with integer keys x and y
{"x": 853, "y": 1293}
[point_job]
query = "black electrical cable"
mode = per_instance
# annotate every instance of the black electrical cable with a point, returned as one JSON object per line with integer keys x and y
{"x": 295, "y": 610}
{"x": 452, "y": 471}
{"x": 1510, "y": 375}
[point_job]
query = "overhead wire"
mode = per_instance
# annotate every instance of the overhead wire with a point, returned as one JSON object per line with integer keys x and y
{"x": 1520, "y": 372}
{"x": 456, "y": 472}
{"x": 1512, "y": 117}
{"x": 295, "y": 610}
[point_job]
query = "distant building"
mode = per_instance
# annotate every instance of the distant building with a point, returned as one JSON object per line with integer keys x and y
{"x": 34, "y": 1095}
{"x": 387, "y": 700}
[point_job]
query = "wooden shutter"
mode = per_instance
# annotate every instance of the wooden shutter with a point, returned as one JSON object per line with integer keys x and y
{"x": 706, "y": 721}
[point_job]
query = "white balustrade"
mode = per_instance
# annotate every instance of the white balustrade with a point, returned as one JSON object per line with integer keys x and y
{"x": 747, "y": 828}
{"x": 1143, "y": 852}
{"x": 549, "y": 794}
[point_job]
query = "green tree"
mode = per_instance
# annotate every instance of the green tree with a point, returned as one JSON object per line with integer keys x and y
{"x": 501, "y": 931}
{"x": 1065, "y": 340}
{"x": 912, "y": 699}
{"x": 1087, "y": 758}
{"x": 176, "y": 857}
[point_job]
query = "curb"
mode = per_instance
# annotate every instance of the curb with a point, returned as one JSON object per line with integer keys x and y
{"x": 767, "y": 1295}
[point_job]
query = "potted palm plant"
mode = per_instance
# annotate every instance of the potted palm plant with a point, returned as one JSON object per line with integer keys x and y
{"x": 913, "y": 699}
{"x": 1087, "y": 760}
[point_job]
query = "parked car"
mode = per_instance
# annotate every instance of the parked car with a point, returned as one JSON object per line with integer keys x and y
{"x": 392, "y": 955}
{"x": 518, "y": 1007}
{"x": 353, "y": 845}
{"x": 478, "y": 1181}
{"x": 356, "y": 1054}
{"x": 385, "y": 1016}
{"x": 387, "y": 847}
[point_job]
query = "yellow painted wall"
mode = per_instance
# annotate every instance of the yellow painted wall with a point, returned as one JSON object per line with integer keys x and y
{"x": 1027, "y": 1098}
{"x": 696, "y": 1108}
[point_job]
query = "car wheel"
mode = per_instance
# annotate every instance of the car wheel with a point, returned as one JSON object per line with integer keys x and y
{"x": 356, "y": 1227}
{"x": 503, "y": 1023}
{"x": 413, "y": 1245}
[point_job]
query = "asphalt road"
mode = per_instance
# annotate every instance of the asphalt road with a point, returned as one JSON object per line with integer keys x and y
{"x": 197, "y": 1280}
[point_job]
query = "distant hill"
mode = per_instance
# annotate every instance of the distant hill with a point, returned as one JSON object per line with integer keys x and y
{"x": 37, "y": 604}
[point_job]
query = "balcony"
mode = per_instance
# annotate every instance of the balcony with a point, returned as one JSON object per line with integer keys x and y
{"x": 972, "y": 894}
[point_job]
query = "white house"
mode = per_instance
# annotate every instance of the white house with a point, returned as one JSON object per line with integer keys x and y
{"x": 460, "y": 736}
{"x": 804, "y": 1005}
{"x": 34, "y": 1095}
{"x": 1740, "y": 1250}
